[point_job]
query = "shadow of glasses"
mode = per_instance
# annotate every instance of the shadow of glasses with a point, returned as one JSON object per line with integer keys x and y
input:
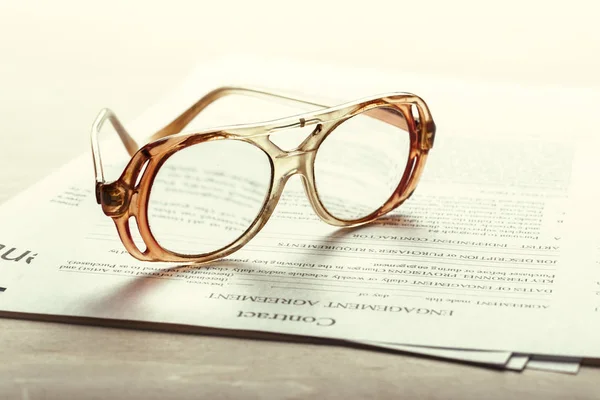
{"x": 133, "y": 292}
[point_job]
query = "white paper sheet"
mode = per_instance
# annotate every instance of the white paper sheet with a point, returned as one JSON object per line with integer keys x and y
{"x": 517, "y": 362}
{"x": 495, "y": 359}
{"x": 438, "y": 280}
{"x": 550, "y": 364}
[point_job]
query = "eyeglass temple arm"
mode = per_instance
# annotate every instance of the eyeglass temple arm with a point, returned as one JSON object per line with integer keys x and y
{"x": 187, "y": 116}
{"x": 125, "y": 137}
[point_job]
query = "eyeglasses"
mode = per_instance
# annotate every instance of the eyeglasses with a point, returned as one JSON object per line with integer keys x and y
{"x": 198, "y": 197}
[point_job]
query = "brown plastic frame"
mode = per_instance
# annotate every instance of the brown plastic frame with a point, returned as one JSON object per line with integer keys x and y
{"x": 128, "y": 196}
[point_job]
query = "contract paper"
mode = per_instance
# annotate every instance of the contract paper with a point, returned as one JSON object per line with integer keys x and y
{"x": 565, "y": 366}
{"x": 474, "y": 260}
{"x": 517, "y": 362}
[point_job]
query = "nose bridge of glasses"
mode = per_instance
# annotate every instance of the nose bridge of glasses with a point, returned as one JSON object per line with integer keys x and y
{"x": 301, "y": 155}
{"x": 293, "y": 162}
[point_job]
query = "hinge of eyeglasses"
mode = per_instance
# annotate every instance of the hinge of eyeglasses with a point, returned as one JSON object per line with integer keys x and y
{"x": 99, "y": 192}
{"x": 429, "y": 139}
{"x": 112, "y": 197}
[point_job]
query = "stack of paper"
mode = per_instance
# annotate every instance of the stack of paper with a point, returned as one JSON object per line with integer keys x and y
{"x": 488, "y": 262}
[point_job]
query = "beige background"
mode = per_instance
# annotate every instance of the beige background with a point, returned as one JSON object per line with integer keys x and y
{"x": 61, "y": 61}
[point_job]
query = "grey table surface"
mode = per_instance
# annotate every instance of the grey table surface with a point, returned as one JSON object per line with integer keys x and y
{"x": 43, "y": 360}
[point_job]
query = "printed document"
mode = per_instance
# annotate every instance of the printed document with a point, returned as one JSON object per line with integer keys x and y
{"x": 475, "y": 259}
